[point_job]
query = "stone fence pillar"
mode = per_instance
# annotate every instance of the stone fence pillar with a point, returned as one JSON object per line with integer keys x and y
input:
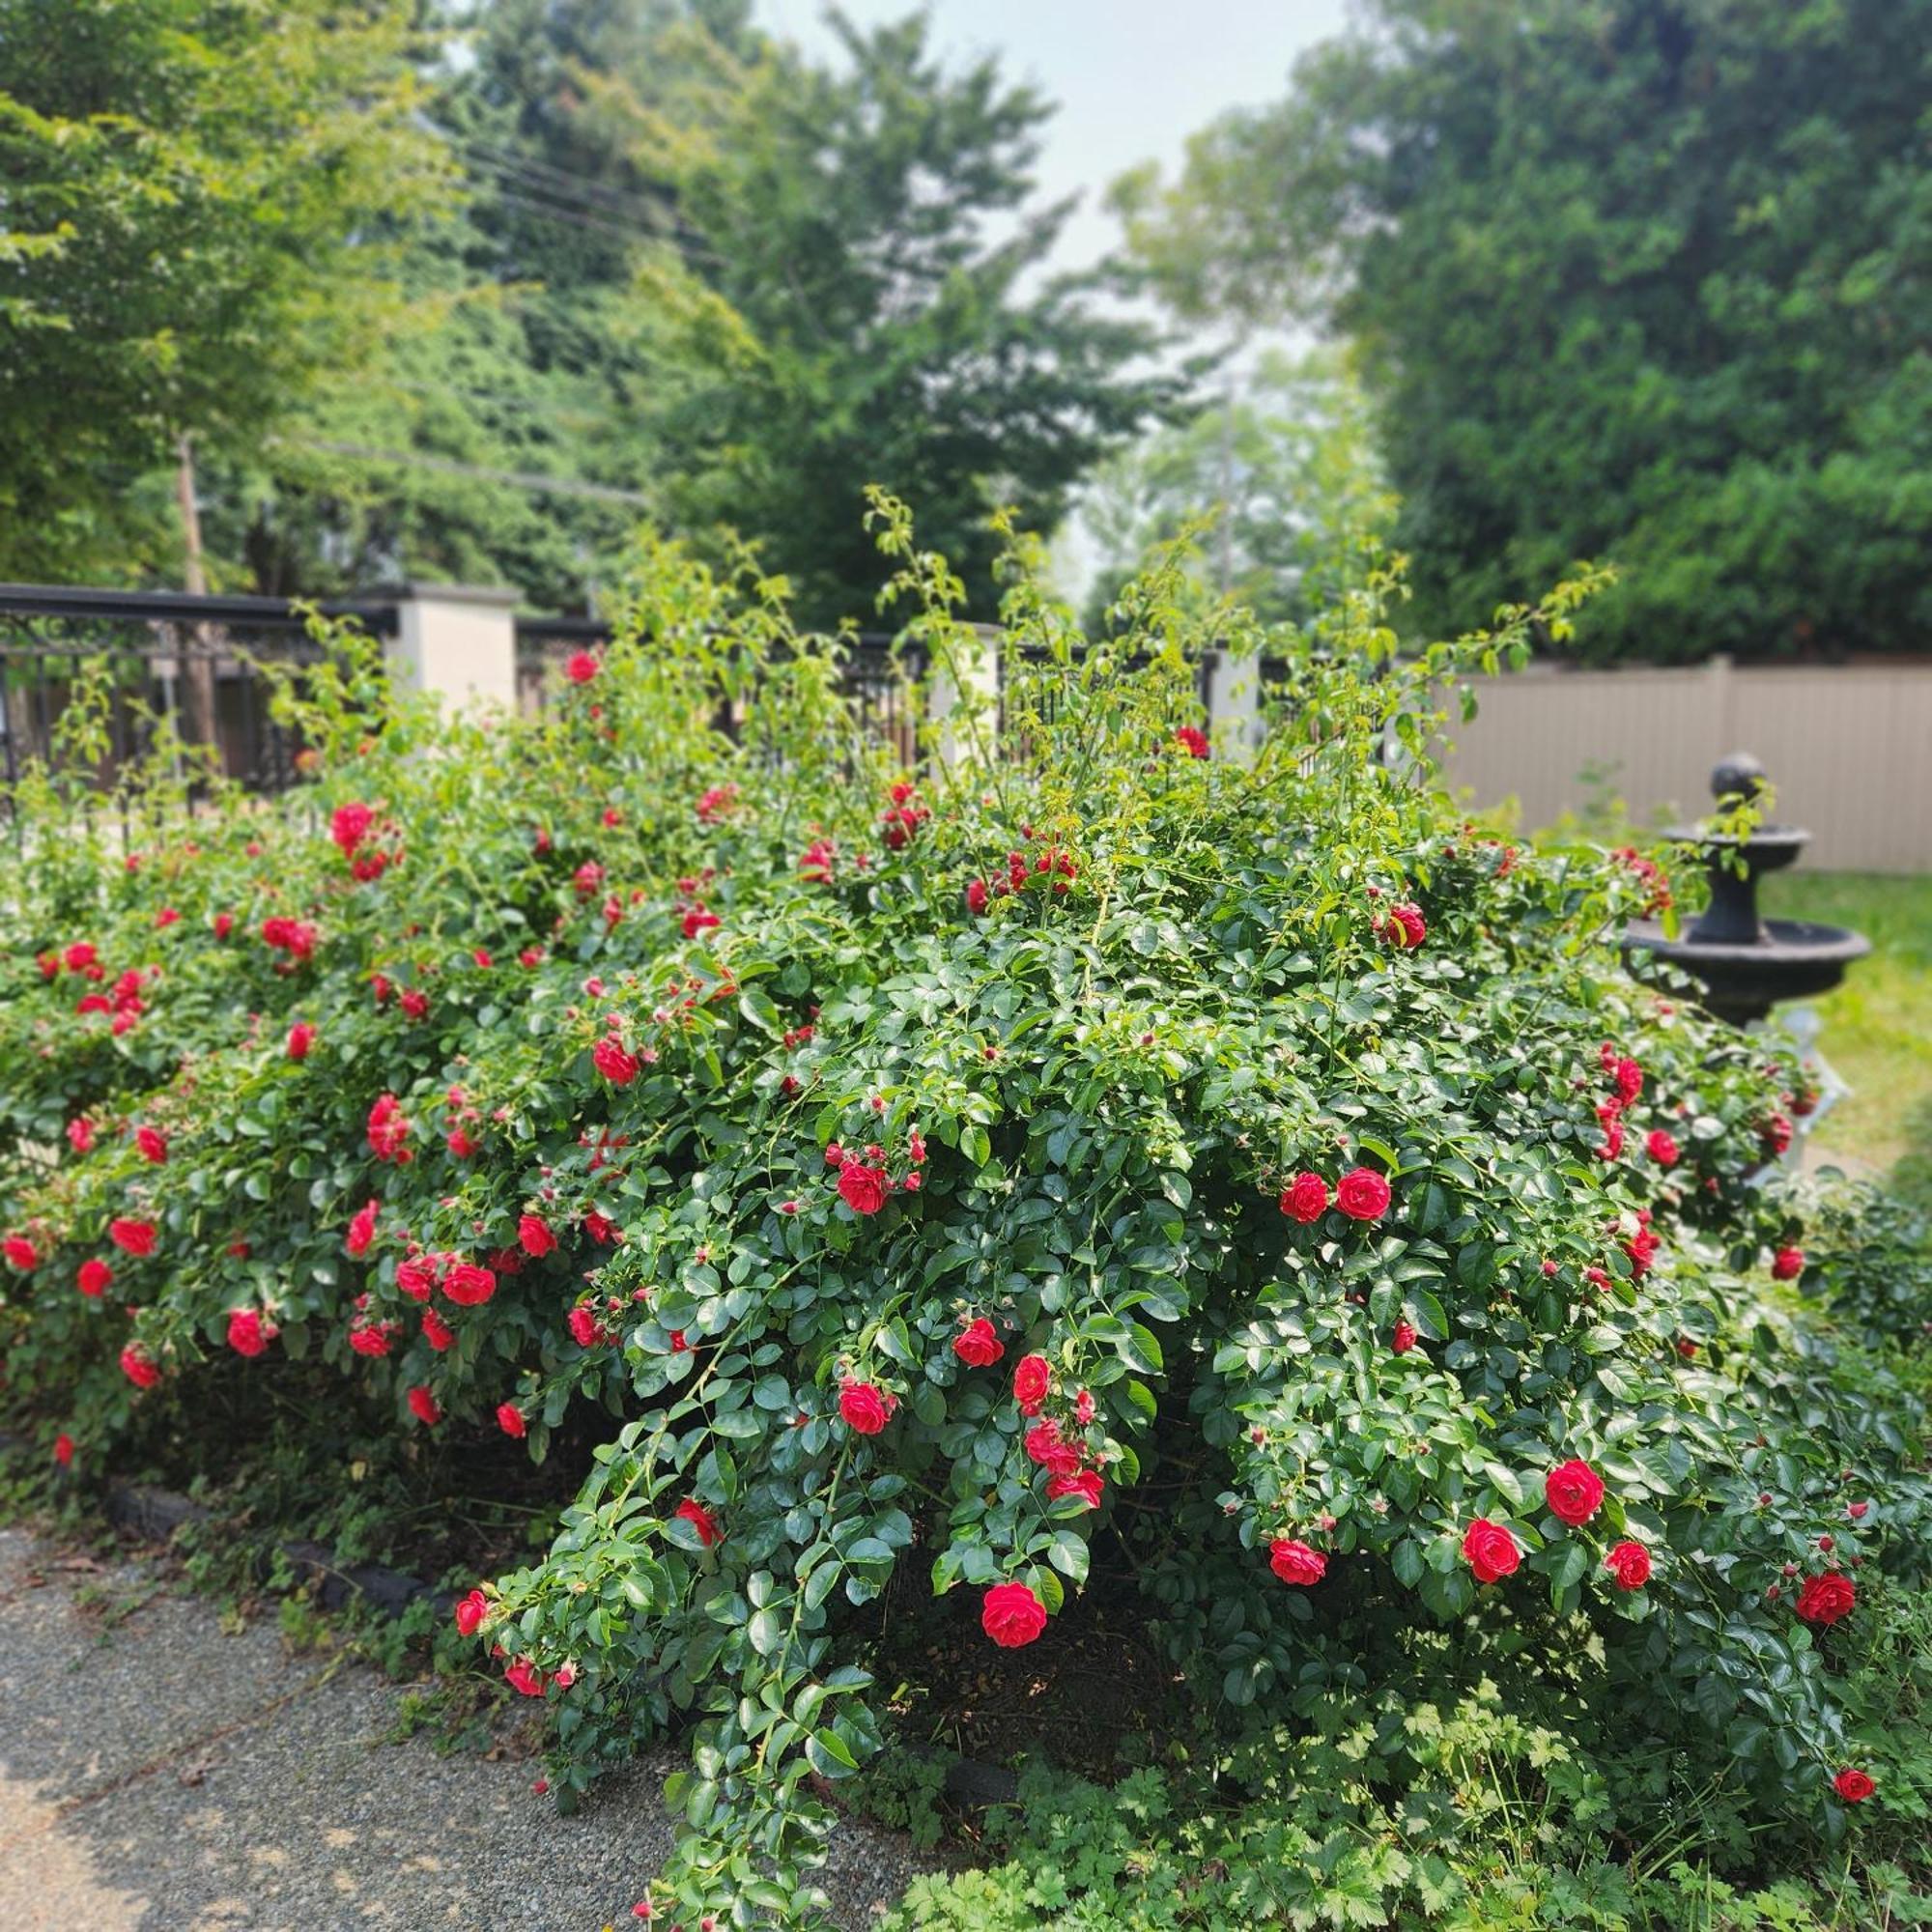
{"x": 456, "y": 640}
{"x": 966, "y": 708}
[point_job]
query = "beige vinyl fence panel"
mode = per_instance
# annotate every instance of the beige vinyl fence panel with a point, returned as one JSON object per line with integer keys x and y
{"x": 1849, "y": 747}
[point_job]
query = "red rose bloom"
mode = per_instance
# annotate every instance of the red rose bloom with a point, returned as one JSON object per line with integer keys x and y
{"x": 302, "y": 1037}
{"x": 471, "y": 1613}
{"x": 510, "y": 1419}
{"x": 415, "y": 1279}
{"x": 1305, "y": 1198}
{"x": 1362, "y": 1193}
{"x": 1295, "y": 1563}
{"x": 1661, "y": 1148}
{"x": 1402, "y": 1340}
{"x": 864, "y": 1408}
{"x": 1044, "y": 1445}
{"x": 361, "y": 1234}
{"x": 1012, "y": 1615}
{"x": 96, "y": 1278}
{"x": 585, "y": 1330}
{"x": 349, "y": 825}
{"x": 152, "y": 1144}
{"x": 524, "y": 1677}
{"x": 1827, "y": 1597}
{"x": 1032, "y": 1377}
{"x": 81, "y": 1134}
{"x": 1775, "y": 1134}
{"x": 371, "y": 1338}
{"x": 64, "y": 1449}
{"x": 138, "y": 1366}
{"x": 132, "y": 1237}
{"x": 20, "y": 1253}
{"x": 1489, "y": 1550}
{"x": 701, "y": 1519}
{"x": 1853, "y": 1786}
{"x": 1083, "y": 1482}
{"x": 976, "y": 896}
{"x": 581, "y": 668}
{"x": 977, "y": 1346}
{"x": 1787, "y": 1265}
{"x": 534, "y": 1238}
{"x": 1629, "y": 1564}
{"x": 862, "y": 1188}
{"x": 437, "y": 1332}
{"x": 470, "y": 1286}
{"x": 388, "y": 1130}
{"x": 616, "y": 1065}
{"x": 1191, "y": 740}
{"x": 247, "y": 1334}
{"x": 424, "y": 1408}
{"x": 1405, "y": 928}
{"x": 1628, "y": 1077}
{"x": 1573, "y": 1492}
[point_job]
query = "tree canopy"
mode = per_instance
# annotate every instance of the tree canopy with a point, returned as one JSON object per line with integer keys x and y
{"x": 863, "y": 257}
{"x": 1637, "y": 279}
{"x": 201, "y": 212}
{"x": 679, "y": 272}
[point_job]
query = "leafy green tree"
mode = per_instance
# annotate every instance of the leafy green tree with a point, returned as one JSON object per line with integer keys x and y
{"x": 859, "y": 257}
{"x": 502, "y": 437}
{"x": 1286, "y": 468}
{"x": 201, "y": 210}
{"x": 1640, "y": 278}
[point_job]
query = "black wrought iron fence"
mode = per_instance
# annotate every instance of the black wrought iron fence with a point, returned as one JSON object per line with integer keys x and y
{"x": 1037, "y": 665}
{"x": 158, "y": 659}
{"x": 875, "y": 678}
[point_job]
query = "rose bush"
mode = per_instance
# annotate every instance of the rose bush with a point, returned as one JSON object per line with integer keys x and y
{"x": 926, "y": 1163}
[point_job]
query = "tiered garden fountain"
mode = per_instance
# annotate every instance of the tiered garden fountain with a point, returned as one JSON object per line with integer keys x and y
{"x": 1746, "y": 964}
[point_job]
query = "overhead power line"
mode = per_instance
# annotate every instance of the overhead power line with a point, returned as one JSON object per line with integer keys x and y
{"x": 517, "y": 479}
{"x": 561, "y": 181}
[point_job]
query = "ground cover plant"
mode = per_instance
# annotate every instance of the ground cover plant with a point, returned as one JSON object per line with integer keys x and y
{"x": 1077, "y": 1146}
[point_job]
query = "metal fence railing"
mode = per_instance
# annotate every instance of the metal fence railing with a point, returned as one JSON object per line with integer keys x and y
{"x": 195, "y": 662}
{"x": 876, "y": 680}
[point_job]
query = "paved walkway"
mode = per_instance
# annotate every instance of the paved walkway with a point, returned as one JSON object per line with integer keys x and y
{"x": 159, "y": 1774}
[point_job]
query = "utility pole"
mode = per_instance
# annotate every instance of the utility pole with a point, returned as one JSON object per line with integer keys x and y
{"x": 1227, "y": 544}
{"x": 198, "y": 648}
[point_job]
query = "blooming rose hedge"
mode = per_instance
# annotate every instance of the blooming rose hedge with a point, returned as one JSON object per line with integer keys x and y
{"x": 914, "y": 1161}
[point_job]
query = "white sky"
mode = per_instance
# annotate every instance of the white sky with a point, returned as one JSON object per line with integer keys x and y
{"x": 1133, "y": 77}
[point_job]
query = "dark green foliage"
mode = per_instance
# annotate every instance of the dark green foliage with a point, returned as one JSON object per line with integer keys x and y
{"x": 1642, "y": 280}
{"x": 195, "y": 234}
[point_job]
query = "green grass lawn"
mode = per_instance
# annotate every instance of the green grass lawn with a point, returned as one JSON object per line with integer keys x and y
{"x": 1878, "y": 1025}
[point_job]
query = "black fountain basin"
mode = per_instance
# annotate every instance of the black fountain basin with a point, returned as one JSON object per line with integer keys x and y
{"x": 1743, "y": 980}
{"x": 1748, "y": 964}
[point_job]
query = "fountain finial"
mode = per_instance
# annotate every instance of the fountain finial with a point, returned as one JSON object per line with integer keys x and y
{"x": 1737, "y": 780}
